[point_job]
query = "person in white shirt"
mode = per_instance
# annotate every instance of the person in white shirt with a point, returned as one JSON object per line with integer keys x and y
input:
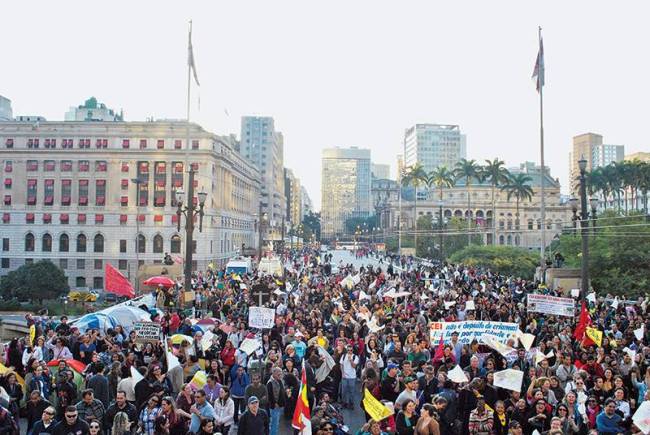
{"x": 349, "y": 363}
{"x": 409, "y": 393}
{"x": 224, "y": 409}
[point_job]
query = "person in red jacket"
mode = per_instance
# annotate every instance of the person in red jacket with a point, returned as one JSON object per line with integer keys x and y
{"x": 228, "y": 355}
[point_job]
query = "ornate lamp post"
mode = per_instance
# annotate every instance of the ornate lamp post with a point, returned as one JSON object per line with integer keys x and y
{"x": 584, "y": 229}
{"x": 190, "y": 211}
{"x": 593, "y": 202}
{"x": 573, "y": 202}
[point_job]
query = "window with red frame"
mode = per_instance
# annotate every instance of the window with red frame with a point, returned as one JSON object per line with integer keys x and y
{"x": 178, "y": 144}
{"x": 124, "y": 200}
{"x": 195, "y": 144}
{"x": 9, "y": 143}
{"x": 141, "y": 217}
{"x": 126, "y": 143}
{"x": 143, "y": 143}
{"x": 84, "y": 165}
{"x": 49, "y": 165}
{"x": 9, "y": 166}
{"x": 29, "y": 218}
{"x": 100, "y": 192}
{"x": 32, "y": 165}
{"x": 101, "y": 166}
{"x": 123, "y": 219}
{"x": 160, "y": 180}
{"x": 66, "y": 165}
{"x": 83, "y": 192}
{"x": 125, "y": 167}
{"x": 99, "y": 218}
{"x": 64, "y": 218}
{"x": 81, "y": 218}
{"x": 160, "y": 144}
{"x": 174, "y": 218}
{"x": 8, "y": 183}
{"x": 158, "y": 218}
{"x": 49, "y": 192}
{"x": 66, "y": 191}
{"x": 47, "y": 218}
{"x": 6, "y": 218}
{"x": 124, "y": 183}
{"x": 32, "y": 190}
{"x": 195, "y": 166}
{"x": 7, "y": 199}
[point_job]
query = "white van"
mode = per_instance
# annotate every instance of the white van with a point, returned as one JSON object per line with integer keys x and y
{"x": 270, "y": 266}
{"x": 239, "y": 265}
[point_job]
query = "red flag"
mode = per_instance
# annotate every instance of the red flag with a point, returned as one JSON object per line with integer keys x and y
{"x": 538, "y": 71}
{"x": 301, "y": 416}
{"x": 117, "y": 283}
{"x": 583, "y": 322}
{"x": 440, "y": 351}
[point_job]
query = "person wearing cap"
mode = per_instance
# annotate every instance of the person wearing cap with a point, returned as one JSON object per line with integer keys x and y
{"x": 254, "y": 421}
{"x": 409, "y": 393}
{"x": 201, "y": 410}
{"x": 391, "y": 385}
{"x": 349, "y": 362}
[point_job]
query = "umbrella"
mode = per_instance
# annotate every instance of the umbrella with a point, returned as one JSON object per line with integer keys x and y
{"x": 206, "y": 321}
{"x": 98, "y": 321}
{"x": 178, "y": 338}
{"x": 160, "y": 280}
{"x": 127, "y": 316}
{"x": 73, "y": 366}
{"x": 72, "y": 363}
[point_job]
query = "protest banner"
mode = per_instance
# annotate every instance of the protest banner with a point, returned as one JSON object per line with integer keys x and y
{"x": 553, "y": 305}
{"x": 261, "y": 318}
{"x": 146, "y": 332}
{"x": 249, "y": 345}
{"x": 457, "y": 375}
{"x": 509, "y": 379}
{"x": 641, "y": 417}
{"x": 377, "y": 410}
{"x": 470, "y": 330}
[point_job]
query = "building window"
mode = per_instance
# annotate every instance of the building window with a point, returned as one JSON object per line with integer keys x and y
{"x": 84, "y": 165}
{"x": 178, "y": 144}
{"x": 66, "y": 191}
{"x": 9, "y": 143}
{"x": 6, "y": 218}
{"x": 64, "y": 218}
{"x": 101, "y": 166}
{"x": 5, "y": 244}
{"x": 80, "y": 281}
{"x": 195, "y": 144}
{"x": 81, "y": 243}
{"x": 143, "y": 144}
{"x": 32, "y": 190}
{"x": 157, "y": 244}
{"x": 29, "y": 242}
{"x": 83, "y": 192}
{"x": 124, "y": 183}
{"x": 49, "y": 192}
{"x": 46, "y": 243}
{"x": 64, "y": 243}
{"x": 501, "y": 240}
{"x": 160, "y": 144}
{"x": 175, "y": 244}
{"x": 9, "y": 166}
{"x": 98, "y": 243}
{"x": 49, "y": 165}
{"x": 8, "y": 183}
{"x": 29, "y": 261}
{"x": 530, "y": 224}
{"x": 81, "y": 263}
{"x": 99, "y": 264}
{"x": 32, "y": 165}
{"x": 7, "y": 199}
{"x": 63, "y": 263}
{"x": 81, "y": 218}
{"x": 100, "y": 192}
{"x": 47, "y": 218}
{"x": 142, "y": 244}
{"x": 122, "y": 264}
{"x": 5, "y": 263}
{"x": 160, "y": 181}
{"x": 29, "y": 218}
{"x": 122, "y": 246}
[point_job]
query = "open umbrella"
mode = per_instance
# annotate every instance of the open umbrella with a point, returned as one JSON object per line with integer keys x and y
{"x": 99, "y": 321}
{"x": 76, "y": 367}
{"x": 155, "y": 281}
{"x": 179, "y": 338}
{"x": 126, "y": 316}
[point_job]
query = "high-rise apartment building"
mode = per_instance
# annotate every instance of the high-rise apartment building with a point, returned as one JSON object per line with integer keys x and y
{"x": 433, "y": 145}
{"x": 6, "y": 114}
{"x": 380, "y": 171}
{"x": 590, "y": 147}
{"x": 346, "y": 181}
{"x": 264, "y": 147}
{"x": 293, "y": 194}
{"x": 400, "y": 167}
{"x": 306, "y": 204}
{"x": 87, "y": 193}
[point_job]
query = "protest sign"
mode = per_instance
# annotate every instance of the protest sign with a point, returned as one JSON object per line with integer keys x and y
{"x": 457, "y": 375}
{"x": 492, "y": 341}
{"x": 469, "y": 305}
{"x": 575, "y": 292}
{"x": 638, "y": 333}
{"x": 377, "y": 410}
{"x": 472, "y": 329}
{"x": 546, "y": 304}
{"x": 641, "y": 417}
{"x": 526, "y": 339}
{"x": 262, "y": 318}
{"x": 146, "y": 332}
{"x": 509, "y": 379}
{"x": 206, "y": 341}
{"x": 249, "y": 345}
{"x": 595, "y": 335}
{"x": 136, "y": 375}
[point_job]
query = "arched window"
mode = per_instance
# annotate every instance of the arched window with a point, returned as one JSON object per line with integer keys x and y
{"x": 530, "y": 224}
{"x": 509, "y": 225}
{"x": 501, "y": 225}
{"x": 46, "y": 245}
{"x": 64, "y": 243}
{"x": 157, "y": 244}
{"x": 509, "y": 240}
{"x": 98, "y": 243}
{"x": 81, "y": 243}
{"x": 501, "y": 240}
{"x": 176, "y": 244}
{"x": 142, "y": 244}
{"x": 29, "y": 242}
{"x": 517, "y": 241}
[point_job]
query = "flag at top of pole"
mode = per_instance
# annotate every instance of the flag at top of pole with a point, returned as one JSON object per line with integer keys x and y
{"x": 301, "y": 416}
{"x": 190, "y": 57}
{"x": 538, "y": 72}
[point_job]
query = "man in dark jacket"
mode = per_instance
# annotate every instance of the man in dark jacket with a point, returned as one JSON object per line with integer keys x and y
{"x": 99, "y": 384}
{"x": 46, "y": 424}
{"x": 120, "y": 405}
{"x": 277, "y": 397}
{"x": 34, "y": 408}
{"x": 71, "y": 423}
{"x": 254, "y": 421}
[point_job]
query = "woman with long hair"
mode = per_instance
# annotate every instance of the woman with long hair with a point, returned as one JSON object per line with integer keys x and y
{"x": 427, "y": 423}
{"x": 406, "y": 419}
{"x": 175, "y": 417}
{"x": 185, "y": 398}
{"x": 224, "y": 408}
{"x": 121, "y": 424}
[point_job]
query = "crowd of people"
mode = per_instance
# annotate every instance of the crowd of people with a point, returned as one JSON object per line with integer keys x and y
{"x": 354, "y": 338}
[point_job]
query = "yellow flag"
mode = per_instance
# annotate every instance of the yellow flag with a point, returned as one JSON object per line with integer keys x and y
{"x": 210, "y": 265}
{"x": 4, "y": 370}
{"x": 32, "y": 334}
{"x": 595, "y": 335}
{"x": 377, "y": 410}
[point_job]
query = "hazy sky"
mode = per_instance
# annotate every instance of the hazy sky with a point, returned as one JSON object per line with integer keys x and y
{"x": 345, "y": 73}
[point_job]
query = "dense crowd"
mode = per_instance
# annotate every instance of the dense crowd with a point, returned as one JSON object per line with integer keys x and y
{"x": 354, "y": 339}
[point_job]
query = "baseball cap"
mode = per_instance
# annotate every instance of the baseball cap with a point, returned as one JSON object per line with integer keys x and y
{"x": 409, "y": 379}
{"x": 391, "y": 366}
{"x": 253, "y": 399}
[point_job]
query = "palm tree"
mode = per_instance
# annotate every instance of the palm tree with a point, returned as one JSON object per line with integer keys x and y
{"x": 416, "y": 176}
{"x": 596, "y": 182}
{"x": 469, "y": 170}
{"x": 496, "y": 173}
{"x": 518, "y": 186}
{"x": 441, "y": 177}
{"x": 644, "y": 184}
{"x": 614, "y": 182}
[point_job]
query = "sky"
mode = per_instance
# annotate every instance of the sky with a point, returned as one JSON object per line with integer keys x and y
{"x": 344, "y": 73}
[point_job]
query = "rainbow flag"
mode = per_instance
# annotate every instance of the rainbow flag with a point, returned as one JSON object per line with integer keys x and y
{"x": 301, "y": 416}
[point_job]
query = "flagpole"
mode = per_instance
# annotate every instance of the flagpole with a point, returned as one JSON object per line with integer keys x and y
{"x": 186, "y": 165}
{"x": 540, "y": 84}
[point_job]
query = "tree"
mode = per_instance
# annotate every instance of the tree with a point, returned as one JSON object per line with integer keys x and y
{"x": 469, "y": 170}
{"x": 415, "y": 177}
{"x": 351, "y": 224}
{"x": 506, "y": 260}
{"x": 441, "y": 178}
{"x": 311, "y": 224}
{"x": 518, "y": 186}
{"x": 37, "y": 281}
{"x": 496, "y": 173}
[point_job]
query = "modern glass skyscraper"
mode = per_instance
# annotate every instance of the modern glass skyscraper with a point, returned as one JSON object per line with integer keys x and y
{"x": 433, "y": 145}
{"x": 345, "y": 187}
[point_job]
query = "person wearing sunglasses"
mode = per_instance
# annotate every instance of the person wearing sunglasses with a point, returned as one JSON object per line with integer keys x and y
{"x": 45, "y": 424}
{"x": 148, "y": 415}
{"x": 95, "y": 428}
{"x": 71, "y": 423}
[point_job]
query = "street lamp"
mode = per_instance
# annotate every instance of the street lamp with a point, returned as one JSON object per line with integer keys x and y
{"x": 440, "y": 204}
{"x": 260, "y": 217}
{"x": 573, "y": 202}
{"x": 584, "y": 229}
{"x": 593, "y": 202}
{"x": 138, "y": 182}
{"x": 190, "y": 211}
